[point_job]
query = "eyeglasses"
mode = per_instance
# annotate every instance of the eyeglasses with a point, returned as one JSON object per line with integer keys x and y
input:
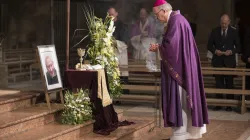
{"x": 156, "y": 15}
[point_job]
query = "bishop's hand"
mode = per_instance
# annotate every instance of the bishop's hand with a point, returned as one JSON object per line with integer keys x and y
{"x": 154, "y": 47}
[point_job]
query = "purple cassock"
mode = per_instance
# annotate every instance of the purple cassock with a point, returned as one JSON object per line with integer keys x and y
{"x": 180, "y": 66}
{"x": 138, "y": 29}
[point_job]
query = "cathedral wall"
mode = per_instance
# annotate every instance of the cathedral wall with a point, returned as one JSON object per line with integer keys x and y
{"x": 29, "y": 23}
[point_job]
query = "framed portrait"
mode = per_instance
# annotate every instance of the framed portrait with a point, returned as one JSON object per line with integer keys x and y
{"x": 49, "y": 66}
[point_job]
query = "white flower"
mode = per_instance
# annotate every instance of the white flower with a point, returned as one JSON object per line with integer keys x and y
{"x": 109, "y": 35}
{"x": 99, "y": 57}
{"x": 116, "y": 82}
{"x": 105, "y": 60}
{"x": 116, "y": 59}
{"x": 78, "y": 100}
{"x": 104, "y": 50}
{"x": 86, "y": 98}
{"x": 111, "y": 25}
{"x": 98, "y": 24}
{"x": 113, "y": 30}
{"x": 78, "y": 110}
{"x": 112, "y": 18}
{"x": 70, "y": 106}
{"x": 107, "y": 41}
{"x": 109, "y": 72}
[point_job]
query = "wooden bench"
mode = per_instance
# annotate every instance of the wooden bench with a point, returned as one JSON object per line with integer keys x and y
{"x": 18, "y": 61}
{"x": 209, "y": 90}
{"x": 229, "y": 71}
{"x": 137, "y": 98}
{"x": 15, "y": 75}
{"x": 33, "y": 66}
{"x": 135, "y": 84}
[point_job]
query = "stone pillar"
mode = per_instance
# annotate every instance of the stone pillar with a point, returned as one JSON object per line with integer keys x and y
{"x": 228, "y": 8}
{"x": 1, "y": 54}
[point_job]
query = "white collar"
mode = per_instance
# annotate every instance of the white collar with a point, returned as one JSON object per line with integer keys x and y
{"x": 169, "y": 14}
{"x": 143, "y": 27}
{"x": 168, "y": 18}
{"x": 225, "y": 31}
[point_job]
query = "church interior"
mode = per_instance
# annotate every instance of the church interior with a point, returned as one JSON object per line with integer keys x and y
{"x": 24, "y": 113}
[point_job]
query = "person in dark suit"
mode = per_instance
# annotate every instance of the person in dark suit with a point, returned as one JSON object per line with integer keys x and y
{"x": 224, "y": 44}
{"x": 120, "y": 27}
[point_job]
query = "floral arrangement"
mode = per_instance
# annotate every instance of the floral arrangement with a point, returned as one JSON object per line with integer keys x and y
{"x": 102, "y": 48}
{"x": 77, "y": 107}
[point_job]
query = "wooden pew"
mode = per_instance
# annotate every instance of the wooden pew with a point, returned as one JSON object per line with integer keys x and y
{"x": 207, "y": 71}
{"x": 18, "y": 62}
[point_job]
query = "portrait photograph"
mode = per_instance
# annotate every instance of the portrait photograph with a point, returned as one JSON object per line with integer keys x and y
{"x": 50, "y": 66}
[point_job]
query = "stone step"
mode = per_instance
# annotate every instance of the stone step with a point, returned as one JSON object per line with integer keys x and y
{"x": 14, "y": 99}
{"x": 28, "y": 118}
{"x": 142, "y": 125}
{"x": 56, "y": 131}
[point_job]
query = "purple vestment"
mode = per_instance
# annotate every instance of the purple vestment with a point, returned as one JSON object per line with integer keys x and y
{"x": 142, "y": 37}
{"x": 180, "y": 66}
{"x": 136, "y": 30}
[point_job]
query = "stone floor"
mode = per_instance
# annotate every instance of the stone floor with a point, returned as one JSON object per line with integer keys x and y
{"x": 223, "y": 125}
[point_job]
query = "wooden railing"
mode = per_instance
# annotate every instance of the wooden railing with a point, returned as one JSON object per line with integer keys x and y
{"x": 138, "y": 75}
{"x": 243, "y": 92}
{"x": 18, "y": 62}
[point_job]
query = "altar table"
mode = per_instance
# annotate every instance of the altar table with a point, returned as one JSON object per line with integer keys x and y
{"x": 106, "y": 119}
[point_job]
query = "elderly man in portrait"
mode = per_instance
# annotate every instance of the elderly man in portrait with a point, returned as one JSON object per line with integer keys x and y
{"x": 51, "y": 73}
{"x": 224, "y": 44}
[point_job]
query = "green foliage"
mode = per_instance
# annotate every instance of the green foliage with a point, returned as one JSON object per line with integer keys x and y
{"x": 77, "y": 107}
{"x": 101, "y": 50}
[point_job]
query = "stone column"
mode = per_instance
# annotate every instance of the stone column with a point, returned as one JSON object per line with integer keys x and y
{"x": 1, "y": 54}
{"x": 228, "y": 8}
